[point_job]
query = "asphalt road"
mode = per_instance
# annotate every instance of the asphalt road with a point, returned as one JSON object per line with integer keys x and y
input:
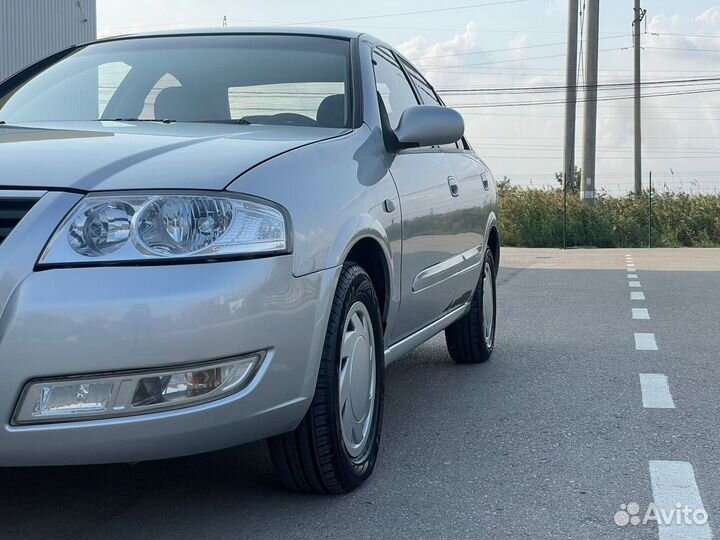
{"x": 547, "y": 440}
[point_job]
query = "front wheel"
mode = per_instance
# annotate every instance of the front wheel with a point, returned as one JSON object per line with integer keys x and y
{"x": 335, "y": 447}
{"x": 471, "y": 340}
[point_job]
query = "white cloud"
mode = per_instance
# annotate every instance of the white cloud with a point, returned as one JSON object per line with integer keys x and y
{"x": 557, "y": 7}
{"x": 710, "y": 17}
{"x": 441, "y": 53}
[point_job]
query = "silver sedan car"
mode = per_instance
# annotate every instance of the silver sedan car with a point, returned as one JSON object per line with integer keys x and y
{"x": 216, "y": 237}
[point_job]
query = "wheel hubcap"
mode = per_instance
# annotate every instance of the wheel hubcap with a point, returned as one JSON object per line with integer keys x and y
{"x": 357, "y": 379}
{"x": 488, "y": 306}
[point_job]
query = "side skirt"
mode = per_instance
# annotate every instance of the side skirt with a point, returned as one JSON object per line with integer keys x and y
{"x": 406, "y": 345}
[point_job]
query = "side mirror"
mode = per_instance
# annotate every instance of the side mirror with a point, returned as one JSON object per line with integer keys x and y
{"x": 429, "y": 125}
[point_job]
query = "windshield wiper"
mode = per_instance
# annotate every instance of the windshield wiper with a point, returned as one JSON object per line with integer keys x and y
{"x": 158, "y": 120}
{"x": 239, "y": 121}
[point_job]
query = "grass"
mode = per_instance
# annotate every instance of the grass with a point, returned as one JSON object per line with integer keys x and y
{"x": 534, "y": 218}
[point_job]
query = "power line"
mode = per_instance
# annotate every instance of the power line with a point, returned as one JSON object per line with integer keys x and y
{"x": 675, "y": 174}
{"x": 453, "y": 55}
{"x": 619, "y": 147}
{"x": 712, "y": 36}
{"x": 405, "y": 13}
{"x": 681, "y": 49}
{"x": 275, "y": 22}
{"x": 558, "y": 88}
{"x": 434, "y": 68}
{"x": 557, "y": 102}
{"x": 602, "y": 157}
{"x": 545, "y": 70}
{"x": 559, "y": 137}
{"x": 614, "y": 149}
{"x": 508, "y": 49}
{"x": 683, "y": 118}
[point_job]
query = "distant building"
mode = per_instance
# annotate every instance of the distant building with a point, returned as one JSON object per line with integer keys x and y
{"x": 33, "y": 29}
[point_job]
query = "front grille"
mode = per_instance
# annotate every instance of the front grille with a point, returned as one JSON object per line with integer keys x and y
{"x": 12, "y": 210}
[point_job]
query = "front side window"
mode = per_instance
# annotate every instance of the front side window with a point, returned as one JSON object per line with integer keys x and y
{"x": 394, "y": 90}
{"x": 257, "y": 79}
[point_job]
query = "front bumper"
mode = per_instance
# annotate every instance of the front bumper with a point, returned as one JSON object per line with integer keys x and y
{"x": 89, "y": 320}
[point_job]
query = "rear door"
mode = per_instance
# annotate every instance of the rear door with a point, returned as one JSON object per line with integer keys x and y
{"x": 430, "y": 207}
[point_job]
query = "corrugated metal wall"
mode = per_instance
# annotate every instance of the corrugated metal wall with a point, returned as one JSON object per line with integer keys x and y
{"x": 33, "y": 29}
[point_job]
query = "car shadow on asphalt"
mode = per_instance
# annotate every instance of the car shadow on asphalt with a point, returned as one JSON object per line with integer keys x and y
{"x": 50, "y": 501}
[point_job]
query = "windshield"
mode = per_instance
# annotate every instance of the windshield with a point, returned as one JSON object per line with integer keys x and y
{"x": 248, "y": 79}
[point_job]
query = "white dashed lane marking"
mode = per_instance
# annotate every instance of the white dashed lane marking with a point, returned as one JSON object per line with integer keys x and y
{"x": 673, "y": 482}
{"x": 673, "y": 486}
{"x": 656, "y": 391}
{"x": 645, "y": 342}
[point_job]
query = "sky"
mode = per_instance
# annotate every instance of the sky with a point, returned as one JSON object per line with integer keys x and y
{"x": 516, "y": 44}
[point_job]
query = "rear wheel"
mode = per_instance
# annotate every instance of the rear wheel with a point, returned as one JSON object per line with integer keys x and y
{"x": 471, "y": 340}
{"x": 335, "y": 447}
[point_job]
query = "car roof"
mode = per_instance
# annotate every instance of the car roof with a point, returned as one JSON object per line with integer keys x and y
{"x": 278, "y": 30}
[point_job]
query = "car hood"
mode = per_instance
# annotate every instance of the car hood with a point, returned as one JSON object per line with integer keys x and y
{"x": 92, "y": 156}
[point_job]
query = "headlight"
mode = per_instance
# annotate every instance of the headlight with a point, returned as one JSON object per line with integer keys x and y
{"x": 132, "y": 227}
{"x": 130, "y": 393}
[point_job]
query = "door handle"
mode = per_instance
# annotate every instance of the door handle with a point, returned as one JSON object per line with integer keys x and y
{"x": 454, "y": 187}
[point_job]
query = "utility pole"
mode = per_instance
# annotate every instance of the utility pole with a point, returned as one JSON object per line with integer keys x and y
{"x": 639, "y": 15}
{"x": 592, "y": 13}
{"x": 570, "y": 95}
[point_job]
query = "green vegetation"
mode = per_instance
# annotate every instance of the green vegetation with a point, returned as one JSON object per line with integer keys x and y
{"x": 534, "y": 218}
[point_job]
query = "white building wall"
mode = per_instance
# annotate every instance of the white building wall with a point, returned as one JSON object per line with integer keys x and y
{"x": 33, "y": 29}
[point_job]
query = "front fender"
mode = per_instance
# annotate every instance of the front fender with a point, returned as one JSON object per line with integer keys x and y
{"x": 335, "y": 193}
{"x": 354, "y": 230}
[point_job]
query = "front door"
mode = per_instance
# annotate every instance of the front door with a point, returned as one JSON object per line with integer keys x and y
{"x": 430, "y": 203}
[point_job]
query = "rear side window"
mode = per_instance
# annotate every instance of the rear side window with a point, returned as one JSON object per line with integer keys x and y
{"x": 428, "y": 97}
{"x": 394, "y": 90}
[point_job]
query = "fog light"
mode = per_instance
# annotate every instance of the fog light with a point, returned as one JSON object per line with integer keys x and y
{"x": 123, "y": 394}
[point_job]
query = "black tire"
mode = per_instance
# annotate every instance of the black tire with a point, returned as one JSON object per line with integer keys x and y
{"x": 314, "y": 458}
{"x": 465, "y": 338}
